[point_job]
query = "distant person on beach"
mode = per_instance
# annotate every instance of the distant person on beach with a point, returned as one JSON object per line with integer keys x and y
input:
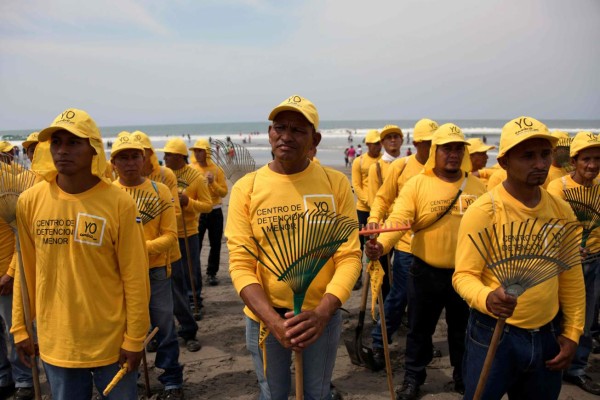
{"x": 544, "y": 324}
{"x": 433, "y": 202}
{"x": 285, "y": 188}
{"x": 182, "y": 310}
{"x": 93, "y": 246}
{"x": 212, "y": 221}
{"x": 399, "y": 172}
{"x": 351, "y": 154}
{"x": 478, "y": 153}
{"x": 346, "y": 160}
{"x": 160, "y": 231}
{"x": 358, "y": 151}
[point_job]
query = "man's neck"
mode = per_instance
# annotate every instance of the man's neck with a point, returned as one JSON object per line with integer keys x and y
{"x": 529, "y": 196}
{"x": 581, "y": 180}
{"x": 75, "y": 184}
{"x": 131, "y": 182}
{"x": 421, "y": 157}
{"x": 290, "y": 168}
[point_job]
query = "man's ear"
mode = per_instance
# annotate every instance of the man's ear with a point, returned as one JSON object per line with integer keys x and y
{"x": 502, "y": 162}
{"x": 316, "y": 138}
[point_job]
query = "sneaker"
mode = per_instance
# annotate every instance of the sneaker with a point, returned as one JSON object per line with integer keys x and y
{"x": 378, "y": 358}
{"x": 408, "y": 391}
{"x": 212, "y": 280}
{"x": 192, "y": 345}
{"x": 152, "y": 346}
{"x": 24, "y": 393}
{"x": 334, "y": 393}
{"x": 171, "y": 394}
{"x": 584, "y": 382}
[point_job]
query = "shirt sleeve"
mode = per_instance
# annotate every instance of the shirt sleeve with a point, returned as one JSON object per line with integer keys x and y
{"x": 384, "y": 197}
{"x": 167, "y": 226}
{"x": 199, "y": 196}
{"x": 357, "y": 181}
{"x": 404, "y": 212}
{"x": 219, "y": 185}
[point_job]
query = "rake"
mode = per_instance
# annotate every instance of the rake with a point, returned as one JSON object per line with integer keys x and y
{"x": 14, "y": 180}
{"x": 299, "y": 250}
{"x": 532, "y": 255}
{"x": 235, "y": 160}
{"x": 185, "y": 176}
{"x": 149, "y": 205}
{"x": 585, "y": 202}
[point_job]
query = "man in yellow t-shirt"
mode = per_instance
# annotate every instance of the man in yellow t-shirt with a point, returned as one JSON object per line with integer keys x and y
{"x": 212, "y": 221}
{"x": 560, "y": 157}
{"x": 537, "y": 343}
{"x": 478, "y": 154}
{"x": 30, "y": 144}
{"x": 399, "y": 173}
{"x": 85, "y": 263}
{"x": 585, "y": 160}
{"x": 155, "y": 204}
{"x": 281, "y": 191}
{"x": 433, "y": 202}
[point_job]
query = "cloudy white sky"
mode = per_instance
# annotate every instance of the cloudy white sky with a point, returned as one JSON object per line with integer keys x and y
{"x": 131, "y": 62}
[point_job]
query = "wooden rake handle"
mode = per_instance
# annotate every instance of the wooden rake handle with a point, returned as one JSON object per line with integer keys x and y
{"x": 489, "y": 358}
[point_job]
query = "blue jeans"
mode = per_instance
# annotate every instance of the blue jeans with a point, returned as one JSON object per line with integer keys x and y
{"x": 213, "y": 223}
{"x": 580, "y": 361}
{"x": 318, "y": 362}
{"x": 519, "y": 366}
{"x": 181, "y": 305}
{"x": 196, "y": 273}
{"x": 76, "y": 383}
{"x": 11, "y": 367}
{"x": 161, "y": 316}
{"x": 396, "y": 300}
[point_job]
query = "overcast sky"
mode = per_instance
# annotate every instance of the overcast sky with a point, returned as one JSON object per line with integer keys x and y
{"x": 131, "y": 62}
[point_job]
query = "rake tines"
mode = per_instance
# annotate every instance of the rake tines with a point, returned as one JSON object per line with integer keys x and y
{"x": 585, "y": 202}
{"x": 522, "y": 255}
{"x": 14, "y": 180}
{"x": 149, "y": 205}
{"x": 185, "y": 177}
{"x": 235, "y": 160}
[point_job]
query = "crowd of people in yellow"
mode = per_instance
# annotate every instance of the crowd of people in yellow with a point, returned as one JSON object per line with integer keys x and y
{"x": 107, "y": 249}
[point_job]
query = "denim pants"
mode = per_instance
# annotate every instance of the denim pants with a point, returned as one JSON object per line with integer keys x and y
{"x": 76, "y": 383}
{"x": 12, "y": 370}
{"x": 580, "y": 361}
{"x": 181, "y": 305}
{"x": 196, "y": 273}
{"x": 318, "y": 362}
{"x": 213, "y": 222}
{"x": 396, "y": 300}
{"x": 519, "y": 365}
{"x": 429, "y": 292}
{"x": 161, "y": 316}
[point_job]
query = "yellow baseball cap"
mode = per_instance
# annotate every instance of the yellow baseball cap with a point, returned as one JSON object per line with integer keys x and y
{"x": 78, "y": 122}
{"x": 123, "y": 133}
{"x": 424, "y": 130}
{"x": 390, "y": 129}
{"x": 298, "y": 104}
{"x": 447, "y": 133}
{"x": 520, "y": 129}
{"x": 564, "y": 140}
{"x": 584, "y": 140}
{"x": 175, "y": 146}
{"x": 5, "y": 146}
{"x": 143, "y": 139}
{"x": 477, "y": 146}
{"x": 372, "y": 136}
{"x": 201, "y": 144}
{"x": 31, "y": 139}
{"x": 125, "y": 142}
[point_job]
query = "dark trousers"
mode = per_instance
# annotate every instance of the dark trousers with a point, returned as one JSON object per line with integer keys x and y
{"x": 181, "y": 304}
{"x": 213, "y": 222}
{"x": 429, "y": 292}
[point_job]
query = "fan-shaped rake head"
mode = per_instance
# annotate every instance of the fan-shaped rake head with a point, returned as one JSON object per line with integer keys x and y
{"x": 524, "y": 254}
{"x": 186, "y": 176}
{"x": 296, "y": 249}
{"x": 14, "y": 180}
{"x": 585, "y": 202}
{"x": 235, "y": 160}
{"x": 149, "y": 205}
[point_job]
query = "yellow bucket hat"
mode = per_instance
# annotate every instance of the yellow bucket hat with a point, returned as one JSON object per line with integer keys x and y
{"x": 447, "y": 133}
{"x": 424, "y": 130}
{"x": 5, "y": 146}
{"x": 390, "y": 129}
{"x": 125, "y": 142}
{"x": 31, "y": 139}
{"x": 201, "y": 144}
{"x": 175, "y": 146}
{"x": 298, "y": 104}
{"x": 584, "y": 140}
{"x": 477, "y": 146}
{"x": 564, "y": 140}
{"x": 372, "y": 136}
{"x": 520, "y": 129}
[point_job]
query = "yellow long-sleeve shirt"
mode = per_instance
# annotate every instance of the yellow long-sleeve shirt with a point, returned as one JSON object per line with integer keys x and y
{"x": 422, "y": 199}
{"x": 374, "y": 182}
{"x": 218, "y": 188}
{"x": 360, "y": 179}
{"x": 86, "y": 267}
{"x": 264, "y": 197}
{"x": 538, "y": 305}
{"x": 193, "y": 184}
{"x": 161, "y": 231}
{"x": 400, "y": 171}
{"x": 7, "y": 249}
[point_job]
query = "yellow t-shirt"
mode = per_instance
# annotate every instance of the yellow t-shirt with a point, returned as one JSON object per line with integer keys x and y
{"x": 161, "y": 231}
{"x": 360, "y": 180}
{"x": 496, "y": 178}
{"x": 422, "y": 200}
{"x": 218, "y": 188}
{"x": 554, "y": 173}
{"x": 191, "y": 182}
{"x": 374, "y": 182}
{"x": 538, "y": 305}
{"x": 86, "y": 265}
{"x": 264, "y": 197}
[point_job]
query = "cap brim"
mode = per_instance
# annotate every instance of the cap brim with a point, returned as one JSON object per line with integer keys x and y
{"x": 424, "y": 139}
{"x": 446, "y": 141}
{"x": 28, "y": 143}
{"x": 279, "y": 109}
{"x": 45, "y": 134}
{"x": 553, "y": 141}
